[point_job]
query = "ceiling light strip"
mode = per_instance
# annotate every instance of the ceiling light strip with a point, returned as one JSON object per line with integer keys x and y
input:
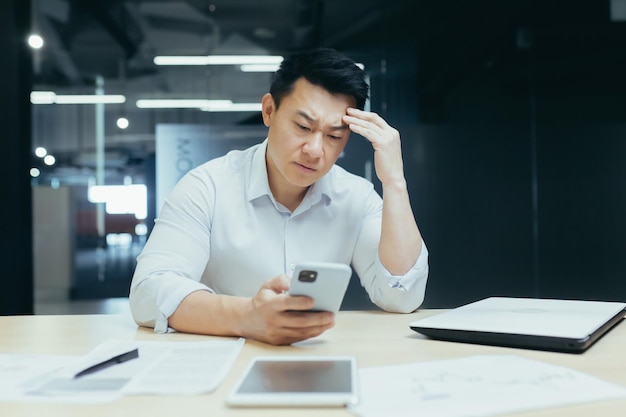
{"x": 259, "y": 67}
{"x": 219, "y": 60}
{"x": 49, "y": 97}
{"x": 183, "y": 103}
{"x": 235, "y": 107}
{"x": 201, "y": 104}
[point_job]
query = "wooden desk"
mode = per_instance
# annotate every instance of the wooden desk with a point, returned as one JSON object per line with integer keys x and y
{"x": 375, "y": 338}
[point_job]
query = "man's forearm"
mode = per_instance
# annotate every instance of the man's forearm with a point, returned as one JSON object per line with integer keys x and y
{"x": 400, "y": 240}
{"x": 203, "y": 312}
{"x": 270, "y": 316}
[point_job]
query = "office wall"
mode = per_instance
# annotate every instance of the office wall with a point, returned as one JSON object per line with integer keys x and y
{"x": 582, "y": 206}
{"x": 469, "y": 179}
{"x": 16, "y": 282}
{"x": 53, "y": 242}
{"x": 516, "y": 170}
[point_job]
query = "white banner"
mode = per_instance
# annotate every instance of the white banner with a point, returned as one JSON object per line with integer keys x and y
{"x": 182, "y": 147}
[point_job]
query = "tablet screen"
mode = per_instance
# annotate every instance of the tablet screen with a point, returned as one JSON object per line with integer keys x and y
{"x": 298, "y": 376}
{"x": 297, "y": 381}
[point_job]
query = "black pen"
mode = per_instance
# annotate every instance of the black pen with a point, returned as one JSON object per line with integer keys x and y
{"x": 124, "y": 357}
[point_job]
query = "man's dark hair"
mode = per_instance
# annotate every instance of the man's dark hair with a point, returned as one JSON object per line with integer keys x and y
{"x": 324, "y": 67}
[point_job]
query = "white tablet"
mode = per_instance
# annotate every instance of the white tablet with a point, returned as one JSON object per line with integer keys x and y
{"x": 305, "y": 381}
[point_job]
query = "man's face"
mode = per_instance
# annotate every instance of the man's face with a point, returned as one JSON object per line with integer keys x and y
{"x": 306, "y": 136}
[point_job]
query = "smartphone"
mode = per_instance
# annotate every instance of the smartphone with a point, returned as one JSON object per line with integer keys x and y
{"x": 325, "y": 282}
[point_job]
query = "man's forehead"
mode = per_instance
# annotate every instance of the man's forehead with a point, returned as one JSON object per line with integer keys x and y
{"x": 334, "y": 121}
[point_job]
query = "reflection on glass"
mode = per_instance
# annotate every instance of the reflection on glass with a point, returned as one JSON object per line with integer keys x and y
{"x": 121, "y": 199}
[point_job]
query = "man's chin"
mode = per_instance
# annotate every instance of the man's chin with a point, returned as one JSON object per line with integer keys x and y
{"x": 303, "y": 182}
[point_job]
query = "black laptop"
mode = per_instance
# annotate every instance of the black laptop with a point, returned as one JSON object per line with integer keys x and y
{"x": 533, "y": 323}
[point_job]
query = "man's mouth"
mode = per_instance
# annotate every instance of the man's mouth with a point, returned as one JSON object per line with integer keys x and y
{"x": 305, "y": 167}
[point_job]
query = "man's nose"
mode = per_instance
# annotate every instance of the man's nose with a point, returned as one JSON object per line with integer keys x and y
{"x": 314, "y": 144}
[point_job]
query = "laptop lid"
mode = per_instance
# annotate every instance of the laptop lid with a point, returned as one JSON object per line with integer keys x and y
{"x": 546, "y": 324}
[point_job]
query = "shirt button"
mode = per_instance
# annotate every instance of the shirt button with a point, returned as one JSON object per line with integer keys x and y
{"x": 292, "y": 267}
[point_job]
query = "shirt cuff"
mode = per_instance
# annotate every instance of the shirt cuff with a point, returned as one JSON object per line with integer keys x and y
{"x": 407, "y": 281}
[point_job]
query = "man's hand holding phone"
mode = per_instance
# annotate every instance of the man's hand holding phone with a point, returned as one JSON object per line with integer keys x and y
{"x": 273, "y": 316}
{"x": 284, "y": 312}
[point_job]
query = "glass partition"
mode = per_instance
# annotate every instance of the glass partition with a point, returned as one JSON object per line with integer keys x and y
{"x": 511, "y": 115}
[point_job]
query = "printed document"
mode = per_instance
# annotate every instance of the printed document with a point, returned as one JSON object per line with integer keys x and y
{"x": 165, "y": 368}
{"x": 486, "y": 385}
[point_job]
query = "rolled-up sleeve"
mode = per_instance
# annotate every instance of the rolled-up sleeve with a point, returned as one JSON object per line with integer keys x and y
{"x": 393, "y": 293}
{"x": 154, "y": 298}
{"x": 171, "y": 264}
{"x": 402, "y": 293}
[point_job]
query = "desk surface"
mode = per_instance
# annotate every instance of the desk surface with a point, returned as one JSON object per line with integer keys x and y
{"x": 375, "y": 338}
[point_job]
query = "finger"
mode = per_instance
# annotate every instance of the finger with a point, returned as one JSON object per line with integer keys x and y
{"x": 366, "y": 132}
{"x": 297, "y": 335}
{"x": 362, "y": 114}
{"x": 293, "y": 326}
{"x": 289, "y": 336}
{"x": 278, "y": 284}
{"x": 297, "y": 322}
{"x": 298, "y": 303}
{"x": 365, "y": 117}
{"x": 365, "y": 128}
{"x": 304, "y": 319}
{"x": 352, "y": 120}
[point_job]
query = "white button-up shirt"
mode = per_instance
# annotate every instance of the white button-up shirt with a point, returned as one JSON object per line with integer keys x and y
{"x": 221, "y": 230}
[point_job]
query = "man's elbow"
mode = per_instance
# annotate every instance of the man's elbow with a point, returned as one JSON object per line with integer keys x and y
{"x": 400, "y": 300}
{"x": 143, "y": 313}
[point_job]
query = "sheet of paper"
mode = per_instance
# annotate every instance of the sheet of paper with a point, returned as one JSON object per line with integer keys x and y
{"x": 101, "y": 353}
{"x": 184, "y": 368}
{"x": 20, "y": 373}
{"x": 170, "y": 368}
{"x": 475, "y": 386}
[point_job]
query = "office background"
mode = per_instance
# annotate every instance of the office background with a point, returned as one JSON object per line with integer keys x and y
{"x": 512, "y": 115}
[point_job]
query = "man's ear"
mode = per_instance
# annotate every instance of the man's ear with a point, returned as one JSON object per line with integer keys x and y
{"x": 267, "y": 109}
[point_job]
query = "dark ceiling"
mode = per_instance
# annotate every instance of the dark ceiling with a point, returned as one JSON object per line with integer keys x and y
{"x": 566, "y": 45}
{"x": 453, "y": 37}
{"x": 104, "y": 37}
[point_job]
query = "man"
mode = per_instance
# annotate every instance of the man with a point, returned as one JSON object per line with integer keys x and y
{"x": 220, "y": 255}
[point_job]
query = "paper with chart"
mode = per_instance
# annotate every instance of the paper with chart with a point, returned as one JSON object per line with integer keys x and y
{"x": 485, "y": 385}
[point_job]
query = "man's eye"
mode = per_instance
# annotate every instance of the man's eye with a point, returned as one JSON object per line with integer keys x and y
{"x": 334, "y": 137}
{"x": 301, "y": 127}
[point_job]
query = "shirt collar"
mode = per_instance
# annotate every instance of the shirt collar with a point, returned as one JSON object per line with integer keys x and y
{"x": 258, "y": 184}
{"x": 321, "y": 188}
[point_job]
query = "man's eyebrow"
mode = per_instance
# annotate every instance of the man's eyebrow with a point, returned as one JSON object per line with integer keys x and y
{"x": 310, "y": 119}
{"x": 306, "y": 116}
